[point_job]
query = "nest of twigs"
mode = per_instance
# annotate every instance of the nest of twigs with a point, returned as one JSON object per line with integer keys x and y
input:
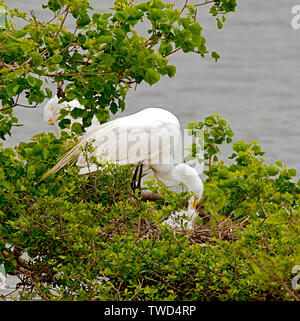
{"x": 201, "y": 233}
{"x": 205, "y": 233}
{"x": 223, "y": 230}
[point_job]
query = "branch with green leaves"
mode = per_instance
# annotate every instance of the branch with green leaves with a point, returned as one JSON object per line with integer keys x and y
{"x": 100, "y": 57}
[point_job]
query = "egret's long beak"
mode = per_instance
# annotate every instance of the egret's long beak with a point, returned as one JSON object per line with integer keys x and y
{"x": 195, "y": 201}
{"x": 50, "y": 121}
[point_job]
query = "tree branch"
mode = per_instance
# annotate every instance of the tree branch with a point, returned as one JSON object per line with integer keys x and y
{"x": 62, "y": 23}
{"x": 195, "y": 5}
{"x": 184, "y": 6}
{"x": 203, "y": 3}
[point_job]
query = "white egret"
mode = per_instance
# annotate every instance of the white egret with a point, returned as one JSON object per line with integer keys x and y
{"x": 151, "y": 137}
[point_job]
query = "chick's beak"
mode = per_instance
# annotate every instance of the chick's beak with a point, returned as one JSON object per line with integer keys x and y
{"x": 50, "y": 121}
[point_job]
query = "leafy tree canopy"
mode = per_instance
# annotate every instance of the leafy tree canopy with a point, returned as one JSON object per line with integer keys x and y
{"x": 100, "y": 57}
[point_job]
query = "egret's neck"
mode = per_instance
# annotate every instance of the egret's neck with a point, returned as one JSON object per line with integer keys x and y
{"x": 188, "y": 176}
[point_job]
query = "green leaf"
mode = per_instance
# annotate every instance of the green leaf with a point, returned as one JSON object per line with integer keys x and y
{"x": 96, "y": 17}
{"x": 18, "y": 72}
{"x": 28, "y": 151}
{"x": 48, "y": 92}
{"x": 256, "y": 149}
{"x": 195, "y": 28}
{"x": 292, "y": 172}
{"x": 11, "y": 89}
{"x": 45, "y": 153}
{"x": 70, "y": 96}
{"x": 77, "y": 112}
{"x": 77, "y": 128}
{"x": 113, "y": 107}
{"x": 37, "y": 148}
{"x": 57, "y": 59}
{"x": 165, "y": 48}
{"x": 272, "y": 170}
{"x": 31, "y": 80}
{"x": 243, "y": 185}
{"x": 121, "y": 104}
{"x": 65, "y": 123}
{"x": 215, "y": 56}
{"x": 31, "y": 171}
{"x": 152, "y": 76}
{"x": 19, "y": 34}
{"x": 219, "y": 24}
{"x": 36, "y": 58}
{"x": 83, "y": 20}
{"x": 171, "y": 70}
{"x": 122, "y": 16}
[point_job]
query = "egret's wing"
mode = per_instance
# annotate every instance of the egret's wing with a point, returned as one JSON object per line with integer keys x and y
{"x": 151, "y": 136}
{"x": 136, "y": 138}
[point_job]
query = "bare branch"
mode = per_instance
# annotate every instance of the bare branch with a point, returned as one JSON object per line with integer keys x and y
{"x": 184, "y": 6}
{"x": 203, "y": 3}
{"x": 172, "y": 52}
{"x": 20, "y": 105}
{"x": 62, "y": 23}
{"x": 195, "y": 5}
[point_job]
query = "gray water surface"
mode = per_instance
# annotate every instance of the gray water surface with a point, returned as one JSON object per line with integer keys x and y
{"x": 255, "y": 85}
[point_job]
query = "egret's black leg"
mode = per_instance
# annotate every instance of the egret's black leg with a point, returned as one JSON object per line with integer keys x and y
{"x": 136, "y": 184}
{"x": 140, "y": 178}
{"x": 133, "y": 182}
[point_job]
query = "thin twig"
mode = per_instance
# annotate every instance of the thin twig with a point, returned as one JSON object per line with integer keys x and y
{"x": 20, "y": 105}
{"x": 184, "y": 6}
{"x": 195, "y": 5}
{"x": 62, "y": 23}
{"x": 203, "y": 3}
{"x": 68, "y": 75}
{"x": 172, "y": 52}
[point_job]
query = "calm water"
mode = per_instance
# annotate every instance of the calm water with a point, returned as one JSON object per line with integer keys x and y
{"x": 254, "y": 86}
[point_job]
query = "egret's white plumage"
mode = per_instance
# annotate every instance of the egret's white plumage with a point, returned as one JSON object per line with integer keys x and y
{"x": 151, "y": 136}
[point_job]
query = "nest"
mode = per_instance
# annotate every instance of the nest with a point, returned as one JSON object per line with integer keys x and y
{"x": 223, "y": 230}
{"x": 205, "y": 234}
{"x": 201, "y": 233}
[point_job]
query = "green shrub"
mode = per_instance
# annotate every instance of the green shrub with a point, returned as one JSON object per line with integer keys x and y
{"x": 89, "y": 238}
{"x": 74, "y": 237}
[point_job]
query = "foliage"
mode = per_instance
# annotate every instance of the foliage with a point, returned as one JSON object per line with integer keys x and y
{"x": 89, "y": 238}
{"x": 77, "y": 237}
{"x": 100, "y": 58}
